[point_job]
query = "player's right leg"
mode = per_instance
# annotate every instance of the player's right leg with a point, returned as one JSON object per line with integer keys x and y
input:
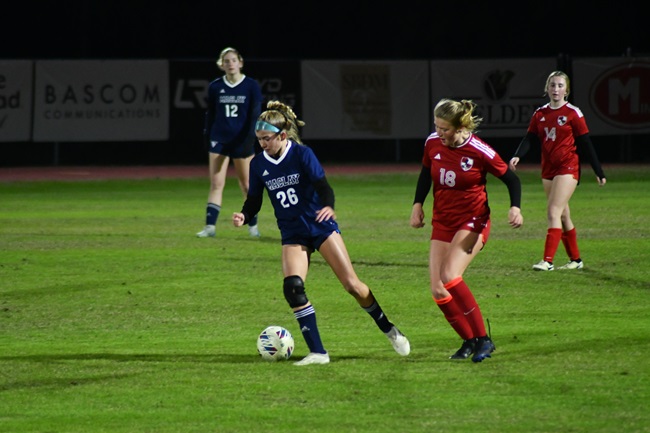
{"x": 218, "y": 168}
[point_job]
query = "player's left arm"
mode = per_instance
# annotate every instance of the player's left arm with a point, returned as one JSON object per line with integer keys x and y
{"x": 326, "y": 196}
{"x": 512, "y": 182}
{"x": 585, "y": 142}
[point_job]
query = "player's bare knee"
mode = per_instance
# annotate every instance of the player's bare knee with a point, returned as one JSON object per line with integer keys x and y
{"x": 294, "y": 291}
{"x": 356, "y": 288}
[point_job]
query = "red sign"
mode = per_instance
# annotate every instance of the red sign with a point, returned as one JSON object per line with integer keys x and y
{"x": 621, "y": 95}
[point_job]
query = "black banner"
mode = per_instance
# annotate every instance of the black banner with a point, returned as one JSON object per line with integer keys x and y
{"x": 189, "y": 80}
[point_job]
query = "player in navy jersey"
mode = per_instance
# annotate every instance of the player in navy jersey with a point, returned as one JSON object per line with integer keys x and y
{"x": 303, "y": 202}
{"x": 234, "y": 103}
{"x": 456, "y": 162}
{"x": 559, "y": 126}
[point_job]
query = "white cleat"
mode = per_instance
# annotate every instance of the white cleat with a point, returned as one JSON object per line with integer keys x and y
{"x": 208, "y": 231}
{"x": 573, "y": 264}
{"x": 254, "y": 231}
{"x": 543, "y": 266}
{"x": 314, "y": 358}
{"x": 399, "y": 341}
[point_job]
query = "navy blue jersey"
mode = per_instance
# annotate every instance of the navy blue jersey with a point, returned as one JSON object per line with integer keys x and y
{"x": 233, "y": 110}
{"x": 289, "y": 183}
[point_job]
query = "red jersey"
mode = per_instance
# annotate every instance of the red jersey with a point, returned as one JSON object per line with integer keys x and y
{"x": 557, "y": 129}
{"x": 459, "y": 177}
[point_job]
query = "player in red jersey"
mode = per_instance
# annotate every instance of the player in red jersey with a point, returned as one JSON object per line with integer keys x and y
{"x": 559, "y": 126}
{"x": 456, "y": 162}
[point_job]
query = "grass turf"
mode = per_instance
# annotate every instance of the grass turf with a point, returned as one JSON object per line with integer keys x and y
{"x": 115, "y": 318}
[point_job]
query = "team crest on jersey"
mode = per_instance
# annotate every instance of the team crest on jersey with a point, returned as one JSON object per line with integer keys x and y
{"x": 561, "y": 120}
{"x": 466, "y": 163}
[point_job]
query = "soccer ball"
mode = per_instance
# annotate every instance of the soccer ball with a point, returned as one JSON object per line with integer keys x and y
{"x": 275, "y": 343}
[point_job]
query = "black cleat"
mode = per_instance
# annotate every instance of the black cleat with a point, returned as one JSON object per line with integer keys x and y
{"x": 465, "y": 350}
{"x": 484, "y": 348}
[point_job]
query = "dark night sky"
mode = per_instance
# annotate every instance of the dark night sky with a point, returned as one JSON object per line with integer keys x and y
{"x": 322, "y": 30}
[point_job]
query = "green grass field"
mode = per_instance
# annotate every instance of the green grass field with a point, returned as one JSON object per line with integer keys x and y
{"x": 115, "y": 318}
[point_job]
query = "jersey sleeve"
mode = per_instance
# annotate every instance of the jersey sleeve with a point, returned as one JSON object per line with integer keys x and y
{"x": 579, "y": 124}
{"x": 255, "y": 182}
{"x": 426, "y": 157}
{"x": 532, "y": 126}
{"x": 496, "y": 165}
{"x": 255, "y": 108}
{"x": 311, "y": 164}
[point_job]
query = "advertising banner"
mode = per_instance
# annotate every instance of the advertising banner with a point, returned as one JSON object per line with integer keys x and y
{"x": 16, "y": 78}
{"x": 101, "y": 100}
{"x": 365, "y": 99}
{"x": 613, "y": 94}
{"x": 507, "y": 91}
{"x": 189, "y": 80}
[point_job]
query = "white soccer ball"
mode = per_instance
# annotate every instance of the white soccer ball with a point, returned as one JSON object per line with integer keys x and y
{"x": 275, "y": 343}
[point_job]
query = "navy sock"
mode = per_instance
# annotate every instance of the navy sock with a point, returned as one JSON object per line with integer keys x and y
{"x": 380, "y": 318}
{"x": 253, "y": 221}
{"x": 212, "y": 214}
{"x": 307, "y": 321}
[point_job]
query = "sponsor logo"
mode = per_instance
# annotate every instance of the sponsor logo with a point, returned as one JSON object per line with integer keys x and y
{"x": 501, "y": 107}
{"x": 191, "y": 94}
{"x": 620, "y": 96}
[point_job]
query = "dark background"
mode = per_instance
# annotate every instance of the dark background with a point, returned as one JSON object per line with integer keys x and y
{"x": 314, "y": 30}
{"x": 425, "y": 29}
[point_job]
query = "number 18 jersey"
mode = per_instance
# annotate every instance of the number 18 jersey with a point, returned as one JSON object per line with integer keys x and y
{"x": 459, "y": 178}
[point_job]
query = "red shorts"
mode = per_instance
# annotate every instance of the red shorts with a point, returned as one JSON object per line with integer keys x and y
{"x": 550, "y": 173}
{"x": 446, "y": 234}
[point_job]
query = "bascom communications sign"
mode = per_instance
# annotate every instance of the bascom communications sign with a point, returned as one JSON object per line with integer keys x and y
{"x": 112, "y": 100}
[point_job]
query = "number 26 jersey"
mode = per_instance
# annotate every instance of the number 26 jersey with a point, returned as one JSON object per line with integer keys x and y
{"x": 289, "y": 182}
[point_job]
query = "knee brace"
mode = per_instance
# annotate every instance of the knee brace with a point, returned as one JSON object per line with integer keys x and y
{"x": 294, "y": 291}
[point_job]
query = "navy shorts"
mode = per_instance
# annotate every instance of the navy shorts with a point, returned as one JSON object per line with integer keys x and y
{"x": 310, "y": 235}
{"x": 234, "y": 150}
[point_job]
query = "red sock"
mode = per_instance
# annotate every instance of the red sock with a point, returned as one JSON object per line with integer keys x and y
{"x": 466, "y": 301}
{"x": 553, "y": 237}
{"x": 570, "y": 241}
{"x": 455, "y": 316}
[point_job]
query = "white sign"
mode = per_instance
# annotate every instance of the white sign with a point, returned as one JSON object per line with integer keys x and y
{"x": 506, "y": 91}
{"x": 365, "y": 99}
{"x": 95, "y": 100}
{"x": 16, "y": 100}
{"x": 613, "y": 94}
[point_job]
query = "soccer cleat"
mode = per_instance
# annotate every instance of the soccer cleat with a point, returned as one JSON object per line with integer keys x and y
{"x": 314, "y": 358}
{"x": 543, "y": 266}
{"x": 208, "y": 231}
{"x": 254, "y": 231}
{"x": 484, "y": 348}
{"x": 573, "y": 264}
{"x": 399, "y": 341}
{"x": 465, "y": 350}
